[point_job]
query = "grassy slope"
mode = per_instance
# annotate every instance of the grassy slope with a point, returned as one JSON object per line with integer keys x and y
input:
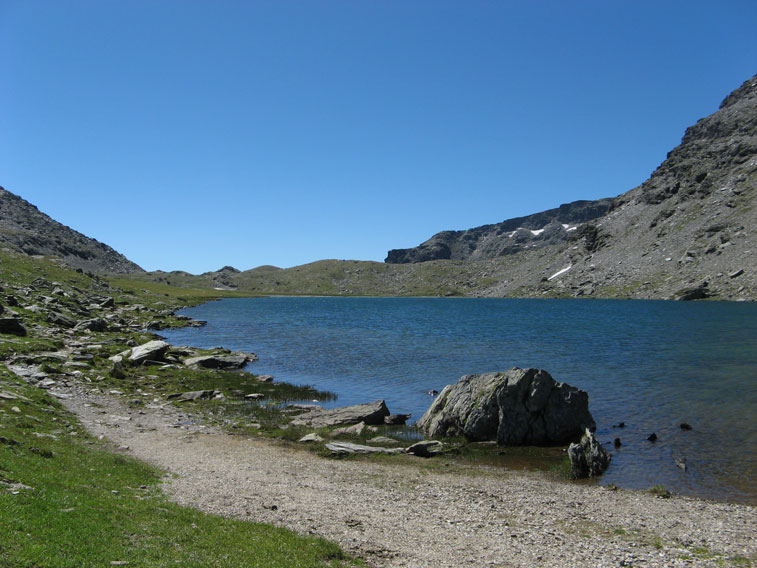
{"x": 65, "y": 500}
{"x": 340, "y": 277}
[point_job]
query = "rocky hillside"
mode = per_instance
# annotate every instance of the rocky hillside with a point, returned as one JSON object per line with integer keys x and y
{"x": 689, "y": 231}
{"x": 23, "y": 228}
{"x": 508, "y": 237}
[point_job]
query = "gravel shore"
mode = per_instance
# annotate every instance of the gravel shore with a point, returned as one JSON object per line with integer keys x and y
{"x": 408, "y": 516}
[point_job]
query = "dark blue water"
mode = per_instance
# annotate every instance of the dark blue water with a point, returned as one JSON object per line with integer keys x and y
{"x": 651, "y": 365}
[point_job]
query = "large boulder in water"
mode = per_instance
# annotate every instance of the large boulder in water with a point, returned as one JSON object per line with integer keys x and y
{"x": 517, "y": 407}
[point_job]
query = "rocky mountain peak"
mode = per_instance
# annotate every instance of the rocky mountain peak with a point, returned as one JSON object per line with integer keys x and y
{"x": 25, "y": 229}
{"x": 686, "y": 232}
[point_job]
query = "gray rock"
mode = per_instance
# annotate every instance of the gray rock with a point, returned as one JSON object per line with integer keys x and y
{"x": 518, "y": 407}
{"x": 117, "y": 371}
{"x": 235, "y": 360}
{"x": 254, "y": 396}
{"x": 265, "y": 378}
{"x": 4, "y": 395}
{"x": 195, "y": 395}
{"x": 12, "y": 326}
{"x": 313, "y": 437}
{"x": 354, "y": 430}
{"x": 56, "y": 318}
{"x": 694, "y": 293}
{"x": 96, "y": 324}
{"x": 396, "y": 419}
{"x": 370, "y": 413}
{"x": 383, "y": 440}
{"x": 150, "y": 351}
{"x": 425, "y": 449}
{"x": 588, "y": 458}
{"x": 348, "y": 448}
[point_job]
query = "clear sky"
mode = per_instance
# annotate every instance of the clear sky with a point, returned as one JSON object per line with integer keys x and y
{"x": 196, "y": 134}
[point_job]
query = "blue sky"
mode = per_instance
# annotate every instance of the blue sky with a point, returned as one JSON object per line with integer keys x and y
{"x": 192, "y": 135}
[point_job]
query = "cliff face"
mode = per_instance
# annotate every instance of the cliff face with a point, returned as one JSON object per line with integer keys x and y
{"x": 508, "y": 237}
{"x": 692, "y": 224}
{"x": 23, "y": 228}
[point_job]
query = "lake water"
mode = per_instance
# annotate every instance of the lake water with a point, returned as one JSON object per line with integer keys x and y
{"x": 649, "y": 364}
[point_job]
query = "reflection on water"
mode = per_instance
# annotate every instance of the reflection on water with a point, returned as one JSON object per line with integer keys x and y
{"x": 651, "y": 365}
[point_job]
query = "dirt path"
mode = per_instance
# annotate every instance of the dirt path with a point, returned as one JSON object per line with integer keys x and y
{"x": 396, "y": 516}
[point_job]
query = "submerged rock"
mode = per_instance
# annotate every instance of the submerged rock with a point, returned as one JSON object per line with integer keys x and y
{"x": 396, "y": 419}
{"x": 518, "y": 407}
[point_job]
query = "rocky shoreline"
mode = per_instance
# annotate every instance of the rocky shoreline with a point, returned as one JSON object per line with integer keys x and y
{"x": 417, "y": 513}
{"x": 419, "y": 516}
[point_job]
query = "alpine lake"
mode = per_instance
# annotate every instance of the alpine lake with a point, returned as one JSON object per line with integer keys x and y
{"x": 651, "y": 365}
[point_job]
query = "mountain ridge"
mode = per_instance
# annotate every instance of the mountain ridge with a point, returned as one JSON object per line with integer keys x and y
{"x": 25, "y": 229}
{"x": 691, "y": 225}
{"x": 508, "y": 237}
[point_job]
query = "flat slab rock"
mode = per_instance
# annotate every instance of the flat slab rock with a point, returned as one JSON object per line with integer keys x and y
{"x": 348, "y": 448}
{"x": 195, "y": 395}
{"x": 235, "y": 360}
{"x": 370, "y": 413}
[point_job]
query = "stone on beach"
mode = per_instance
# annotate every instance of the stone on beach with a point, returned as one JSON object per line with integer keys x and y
{"x": 348, "y": 448}
{"x": 588, "y": 458}
{"x": 354, "y": 430}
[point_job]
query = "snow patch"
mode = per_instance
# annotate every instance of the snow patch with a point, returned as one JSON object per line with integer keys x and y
{"x": 537, "y": 232}
{"x": 559, "y": 272}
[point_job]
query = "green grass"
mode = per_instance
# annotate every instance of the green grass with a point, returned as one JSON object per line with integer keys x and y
{"x": 67, "y": 501}
{"x": 660, "y": 491}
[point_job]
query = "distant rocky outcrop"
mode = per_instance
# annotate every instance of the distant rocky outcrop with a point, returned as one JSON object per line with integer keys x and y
{"x": 223, "y": 279}
{"x": 517, "y": 407}
{"x": 25, "y": 229}
{"x": 508, "y": 237}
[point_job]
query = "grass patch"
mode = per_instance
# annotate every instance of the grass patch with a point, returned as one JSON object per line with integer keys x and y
{"x": 660, "y": 491}
{"x": 66, "y": 501}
